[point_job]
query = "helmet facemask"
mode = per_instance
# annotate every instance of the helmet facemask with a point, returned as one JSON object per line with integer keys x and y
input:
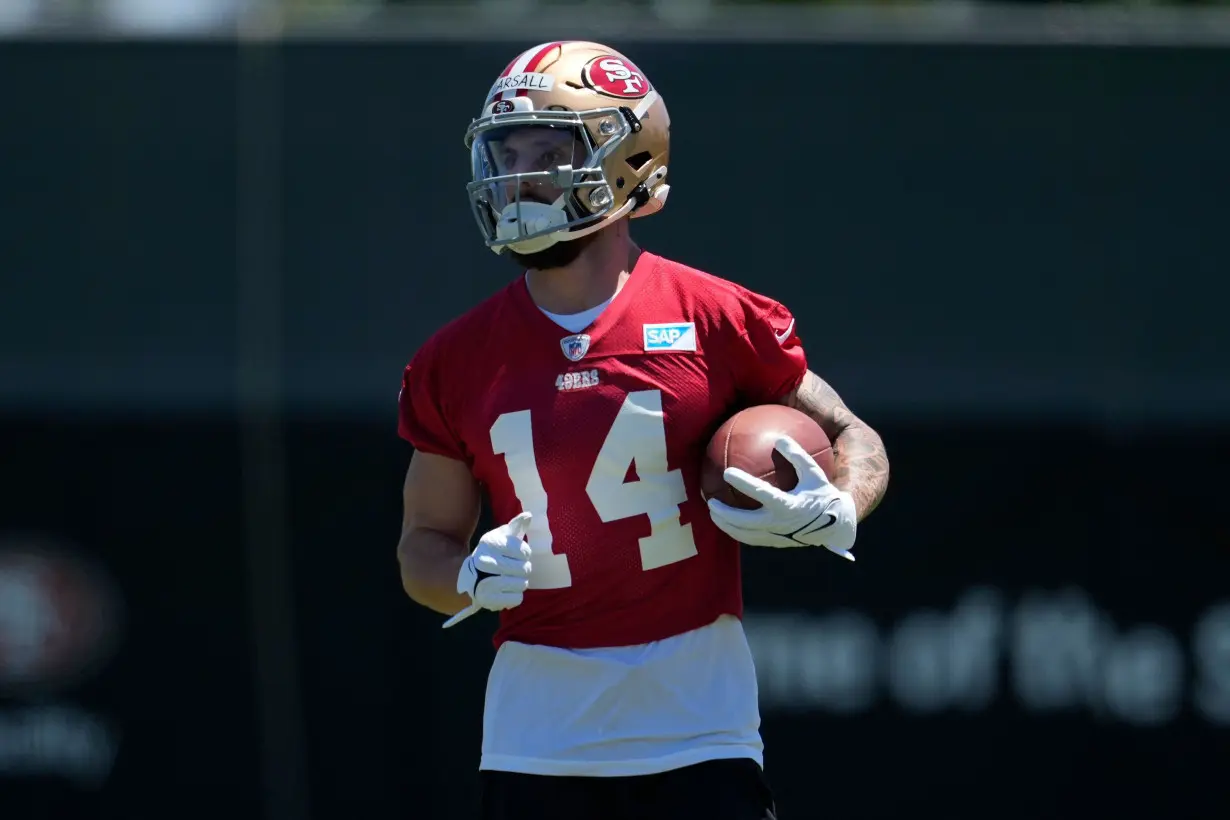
{"x": 538, "y": 176}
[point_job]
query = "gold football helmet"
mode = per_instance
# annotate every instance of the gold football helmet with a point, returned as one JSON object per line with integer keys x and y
{"x": 571, "y": 137}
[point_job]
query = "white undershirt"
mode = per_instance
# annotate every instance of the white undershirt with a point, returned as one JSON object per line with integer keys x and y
{"x": 576, "y": 322}
{"x": 622, "y": 711}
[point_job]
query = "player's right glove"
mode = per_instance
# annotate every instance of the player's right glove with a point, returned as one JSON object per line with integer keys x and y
{"x": 814, "y": 514}
{"x": 497, "y": 573}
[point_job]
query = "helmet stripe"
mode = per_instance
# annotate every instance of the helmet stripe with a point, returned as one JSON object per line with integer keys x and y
{"x": 528, "y": 61}
{"x": 539, "y": 56}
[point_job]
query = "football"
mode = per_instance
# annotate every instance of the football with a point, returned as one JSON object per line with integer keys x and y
{"x": 746, "y": 440}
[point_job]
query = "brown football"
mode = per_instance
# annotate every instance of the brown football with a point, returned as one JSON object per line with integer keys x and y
{"x": 746, "y": 441}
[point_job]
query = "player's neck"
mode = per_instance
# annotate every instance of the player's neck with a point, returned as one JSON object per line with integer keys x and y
{"x": 592, "y": 278}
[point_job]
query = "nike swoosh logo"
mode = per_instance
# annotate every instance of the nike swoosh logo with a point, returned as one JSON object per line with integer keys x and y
{"x": 785, "y": 334}
{"x": 832, "y": 519}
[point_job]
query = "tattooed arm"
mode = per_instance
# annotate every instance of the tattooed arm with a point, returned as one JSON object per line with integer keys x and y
{"x": 861, "y": 461}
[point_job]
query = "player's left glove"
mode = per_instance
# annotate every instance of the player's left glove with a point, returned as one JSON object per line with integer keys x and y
{"x": 814, "y": 514}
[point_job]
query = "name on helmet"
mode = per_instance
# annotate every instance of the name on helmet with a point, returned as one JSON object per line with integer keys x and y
{"x": 525, "y": 81}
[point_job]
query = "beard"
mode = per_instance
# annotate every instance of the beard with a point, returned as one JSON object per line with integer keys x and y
{"x": 559, "y": 255}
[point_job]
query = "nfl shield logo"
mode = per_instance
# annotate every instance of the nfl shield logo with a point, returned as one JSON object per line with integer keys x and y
{"x": 575, "y": 347}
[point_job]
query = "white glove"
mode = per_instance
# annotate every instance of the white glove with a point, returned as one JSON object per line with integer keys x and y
{"x": 814, "y": 514}
{"x": 497, "y": 573}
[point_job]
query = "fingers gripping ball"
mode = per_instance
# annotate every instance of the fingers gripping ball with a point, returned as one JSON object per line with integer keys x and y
{"x": 746, "y": 441}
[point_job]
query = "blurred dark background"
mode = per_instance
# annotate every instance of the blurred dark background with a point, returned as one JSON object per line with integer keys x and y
{"x": 1003, "y": 237}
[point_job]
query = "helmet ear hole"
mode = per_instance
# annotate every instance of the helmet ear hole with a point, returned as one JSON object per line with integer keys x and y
{"x": 639, "y": 160}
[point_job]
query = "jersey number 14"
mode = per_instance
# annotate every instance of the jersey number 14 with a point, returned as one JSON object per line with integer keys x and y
{"x": 638, "y": 437}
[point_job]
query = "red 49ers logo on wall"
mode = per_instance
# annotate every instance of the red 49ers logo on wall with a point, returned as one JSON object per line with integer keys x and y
{"x": 615, "y": 77}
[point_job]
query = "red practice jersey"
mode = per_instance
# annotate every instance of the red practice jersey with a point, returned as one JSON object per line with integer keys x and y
{"x": 600, "y": 435}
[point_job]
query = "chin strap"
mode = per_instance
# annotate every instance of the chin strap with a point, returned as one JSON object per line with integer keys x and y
{"x": 518, "y": 218}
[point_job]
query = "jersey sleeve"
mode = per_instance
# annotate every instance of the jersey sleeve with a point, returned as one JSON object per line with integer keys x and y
{"x": 768, "y": 357}
{"x": 422, "y": 419}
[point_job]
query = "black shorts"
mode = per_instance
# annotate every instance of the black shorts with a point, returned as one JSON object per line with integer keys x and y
{"x": 714, "y": 790}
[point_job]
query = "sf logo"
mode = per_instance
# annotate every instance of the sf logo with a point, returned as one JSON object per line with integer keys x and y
{"x": 617, "y": 72}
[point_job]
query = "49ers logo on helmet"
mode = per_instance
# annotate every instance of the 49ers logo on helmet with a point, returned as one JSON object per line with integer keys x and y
{"x": 615, "y": 77}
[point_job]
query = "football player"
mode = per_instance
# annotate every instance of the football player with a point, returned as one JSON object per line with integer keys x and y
{"x": 580, "y": 399}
